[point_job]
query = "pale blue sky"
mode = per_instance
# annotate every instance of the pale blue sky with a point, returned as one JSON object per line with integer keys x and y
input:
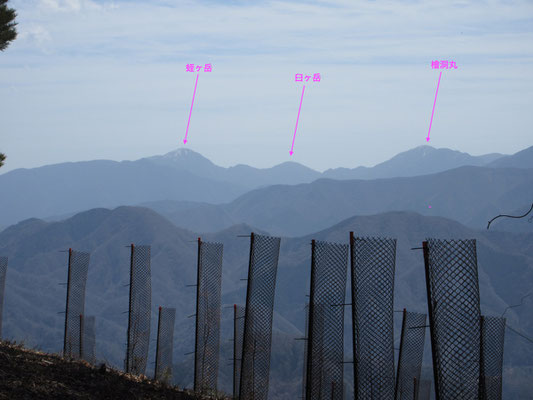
{"x": 91, "y": 79}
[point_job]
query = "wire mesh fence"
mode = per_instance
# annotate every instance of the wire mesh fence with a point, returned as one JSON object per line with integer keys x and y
{"x": 207, "y": 342}
{"x": 492, "y": 339}
{"x": 454, "y": 317}
{"x": 164, "y": 348}
{"x": 138, "y": 335}
{"x": 410, "y": 356}
{"x": 424, "y": 390}
{"x": 372, "y": 270}
{"x": 238, "y": 336}
{"x": 325, "y": 337}
{"x": 3, "y": 273}
{"x": 89, "y": 339}
{"x": 262, "y": 270}
{"x": 304, "y": 369}
{"x": 78, "y": 267}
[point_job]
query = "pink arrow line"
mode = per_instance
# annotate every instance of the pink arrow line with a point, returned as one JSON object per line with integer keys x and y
{"x": 188, "y": 122}
{"x": 435, "y": 102}
{"x": 297, "y": 118}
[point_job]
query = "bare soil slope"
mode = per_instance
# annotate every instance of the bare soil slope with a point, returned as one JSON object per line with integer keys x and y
{"x": 29, "y": 374}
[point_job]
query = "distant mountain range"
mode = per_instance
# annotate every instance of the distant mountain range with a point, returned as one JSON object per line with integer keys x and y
{"x": 472, "y": 195}
{"x": 183, "y": 175}
{"x": 421, "y": 160}
{"x": 289, "y": 173}
{"x": 36, "y": 266}
{"x": 522, "y": 159}
{"x": 72, "y": 187}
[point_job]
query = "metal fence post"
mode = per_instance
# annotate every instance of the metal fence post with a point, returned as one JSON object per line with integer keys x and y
{"x": 78, "y": 264}
{"x": 67, "y": 304}
{"x": 482, "y": 393}
{"x": 400, "y": 354}
{"x": 306, "y": 344}
{"x": 259, "y": 313}
{"x": 198, "y": 274}
{"x": 156, "y": 371}
{"x": 234, "y": 351}
{"x": 128, "y": 350}
{"x": 431, "y": 318}
{"x": 354, "y": 300}
{"x": 411, "y": 354}
{"x": 140, "y": 309}
{"x": 308, "y": 388}
{"x": 238, "y": 333}
{"x": 208, "y": 304}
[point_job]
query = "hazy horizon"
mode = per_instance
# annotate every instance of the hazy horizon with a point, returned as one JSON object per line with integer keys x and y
{"x": 5, "y": 169}
{"x": 102, "y": 79}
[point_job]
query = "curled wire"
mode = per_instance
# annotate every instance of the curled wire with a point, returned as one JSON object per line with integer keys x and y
{"x": 513, "y": 216}
{"x": 519, "y": 304}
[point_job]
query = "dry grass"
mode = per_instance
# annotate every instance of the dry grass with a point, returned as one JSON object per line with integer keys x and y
{"x": 31, "y": 374}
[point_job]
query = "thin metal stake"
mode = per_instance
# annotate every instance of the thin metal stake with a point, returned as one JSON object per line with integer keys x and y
{"x": 156, "y": 370}
{"x": 198, "y": 272}
{"x": 309, "y": 383}
{"x": 431, "y": 320}
{"x": 132, "y": 253}
{"x": 66, "y": 307}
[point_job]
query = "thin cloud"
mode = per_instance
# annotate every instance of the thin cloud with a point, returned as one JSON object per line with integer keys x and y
{"x": 74, "y": 5}
{"x": 113, "y": 72}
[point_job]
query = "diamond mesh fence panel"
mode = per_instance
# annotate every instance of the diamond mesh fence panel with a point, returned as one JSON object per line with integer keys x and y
{"x": 306, "y": 330}
{"x": 138, "y": 335}
{"x": 492, "y": 337}
{"x": 207, "y": 346}
{"x": 372, "y": 265}
{"x": 165, "y": 340}
{"x": 262, "y": 270}
{"x": 454, "y": 317}
{"x": 3, "y": 273}
{"x": 411, "y": 352}
{"x": 325, "y": 336}
{"x": 78, "y": 266}
{"x": 238, "y": 336}
{"x": 89, "y": 339}
{"x": 424, "y": 390}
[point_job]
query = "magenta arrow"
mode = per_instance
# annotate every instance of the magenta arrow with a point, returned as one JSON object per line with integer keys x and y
{"x": 188, "y": 122}
{"x": 297, "y": 118}
{"x": 435, "y": 102}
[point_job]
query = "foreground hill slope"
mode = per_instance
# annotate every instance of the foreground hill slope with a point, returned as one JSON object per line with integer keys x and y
{"x": 33, "y": 374}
